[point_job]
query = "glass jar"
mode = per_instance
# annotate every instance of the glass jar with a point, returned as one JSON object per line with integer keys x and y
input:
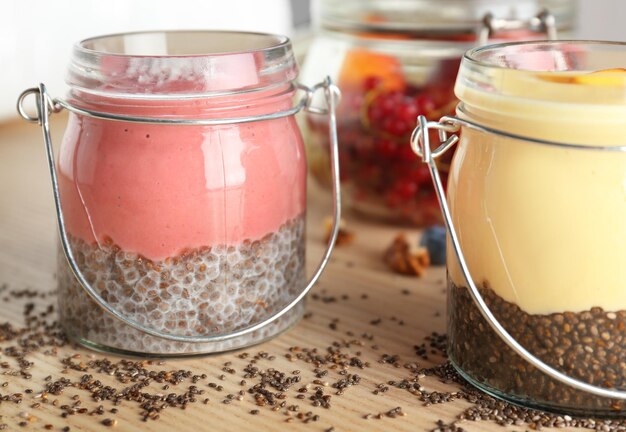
{"x": 394, "y": 61}
{"x": 181, "y": 192}
{"x": 537, "y": 224}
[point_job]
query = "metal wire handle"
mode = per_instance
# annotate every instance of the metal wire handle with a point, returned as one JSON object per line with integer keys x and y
{"x": 421, "y": 146}
{"x": 46, "y": 105}
{"x": 544, "y": 21}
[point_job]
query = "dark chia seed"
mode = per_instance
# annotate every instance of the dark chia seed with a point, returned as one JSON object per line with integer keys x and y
{"x": 202, "y": 291}
{"x": 89, "y": 383}
{"x": 589, "y": 346}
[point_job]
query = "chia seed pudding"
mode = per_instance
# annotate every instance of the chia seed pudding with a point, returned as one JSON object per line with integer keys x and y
{"x": 588, "y": 345}
{"x": 187, "y": 215}
{"x": 204, "y": 291}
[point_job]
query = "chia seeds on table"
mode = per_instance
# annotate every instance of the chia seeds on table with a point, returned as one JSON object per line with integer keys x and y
{"x": 212, "y": 290}
{"x": 89, "y": 382}
{"x": 589, "y": 346}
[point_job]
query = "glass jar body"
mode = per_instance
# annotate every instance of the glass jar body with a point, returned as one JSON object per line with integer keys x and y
{"x": 188, "y": 229}
{"x": 194, "y": 227}
{"x": 393, "y": 63}
{"x": 545, "y": 266}
{"x": 537, "y": 200}
{"x": 384, "y": 87}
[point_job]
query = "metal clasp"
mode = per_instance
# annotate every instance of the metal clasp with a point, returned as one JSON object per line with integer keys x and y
{"x": 421, "y": 146}
{"x": 543, "y": 22}
{"x": 47, "y": 105}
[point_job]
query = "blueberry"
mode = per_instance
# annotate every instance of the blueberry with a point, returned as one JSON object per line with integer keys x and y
{"x": 434, "y": 240}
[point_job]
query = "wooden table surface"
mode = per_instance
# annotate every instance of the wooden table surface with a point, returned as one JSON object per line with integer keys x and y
{"x": 408, "y": 308}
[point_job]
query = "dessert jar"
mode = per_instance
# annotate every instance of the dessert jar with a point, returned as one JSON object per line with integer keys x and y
{"x": 394, "y": 61}
{"x": 180, "y": 188}
{"x": 536, "y": 214}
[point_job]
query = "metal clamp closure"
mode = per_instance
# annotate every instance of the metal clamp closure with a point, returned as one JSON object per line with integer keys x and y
{"x": 57, "y": 104}
{"x": 543, "y": 22}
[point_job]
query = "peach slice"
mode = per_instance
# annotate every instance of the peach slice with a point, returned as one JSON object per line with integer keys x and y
{"x": 360, "y": 64}
{"x": 604, "y": 77}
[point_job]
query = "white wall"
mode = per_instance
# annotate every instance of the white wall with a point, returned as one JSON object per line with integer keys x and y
{"x": 602, "y": 20}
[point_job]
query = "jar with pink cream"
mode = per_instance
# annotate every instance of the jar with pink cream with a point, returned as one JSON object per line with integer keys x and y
{"x": 180, "y": 188}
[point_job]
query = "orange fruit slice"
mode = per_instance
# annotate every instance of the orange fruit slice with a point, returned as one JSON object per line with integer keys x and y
{"x": 360, "y": 64}
{"x": 605, "y": 77}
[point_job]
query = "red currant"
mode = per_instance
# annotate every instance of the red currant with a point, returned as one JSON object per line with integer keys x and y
{"x": 407, "y": 154}
{"x": 386, "y": 103}
{"x": 408, "y": 111}
{"x": 376, "y": 151}
{"x": 425, "y": 103}
{"x": 393, "y": 199}
{"x": 405, "y": 189}
{"x": 375, "y": 114}
{"x": 371, "y": 82}
{"x": 421, "y": 175}
{"x": 394, "y": 126}
{"x": 370, "y": 172}
{"x": 386, "y": 148}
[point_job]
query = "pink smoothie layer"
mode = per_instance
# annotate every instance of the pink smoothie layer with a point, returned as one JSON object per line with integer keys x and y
{"x": 160, "y": 189}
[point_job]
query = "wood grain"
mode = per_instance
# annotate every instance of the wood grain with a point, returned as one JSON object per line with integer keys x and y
{"x": 27, "y": 259}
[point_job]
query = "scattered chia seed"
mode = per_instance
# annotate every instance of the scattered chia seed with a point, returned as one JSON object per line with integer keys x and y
{"x": 109, "y": 422}
{"x": 320, "y": 399}
{"x": 443, "y": 427}
{"x": 278, "y": 391}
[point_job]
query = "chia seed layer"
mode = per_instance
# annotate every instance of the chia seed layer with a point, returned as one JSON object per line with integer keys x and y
{"x": 588, "y": 345}
{"x": 207, "y": 291}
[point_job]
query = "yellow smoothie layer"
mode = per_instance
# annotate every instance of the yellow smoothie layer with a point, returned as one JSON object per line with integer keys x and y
{"x": 544, "y": 226}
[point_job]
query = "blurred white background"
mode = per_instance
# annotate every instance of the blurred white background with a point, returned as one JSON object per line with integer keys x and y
{"x": 36, "y": 36}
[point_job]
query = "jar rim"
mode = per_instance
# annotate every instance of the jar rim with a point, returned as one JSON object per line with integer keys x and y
{"x": 281, "y": 41}
{"x": 553, "y": 71}
{"x": 165, "y": 64}
{"x": 556, "y": 90}
{"x": 558, "y": 71}
{"x": 473, "y": 55}
{"x": 445, "y": 17}
{"x": 430, "y": 48}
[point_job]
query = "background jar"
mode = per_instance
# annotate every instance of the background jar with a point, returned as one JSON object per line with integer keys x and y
{"x": 392, "y": 63}
{"x": 186, "y": 229}
{"x": 537, "y": 199}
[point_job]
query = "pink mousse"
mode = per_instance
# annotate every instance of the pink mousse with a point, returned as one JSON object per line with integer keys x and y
{"x": 160, "y": 189}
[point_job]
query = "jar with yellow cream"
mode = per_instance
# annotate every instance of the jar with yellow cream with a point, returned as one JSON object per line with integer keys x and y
{"x": 536, "y": 214}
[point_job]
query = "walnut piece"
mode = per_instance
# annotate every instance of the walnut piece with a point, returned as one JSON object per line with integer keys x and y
{"x": 344, "y": 237}
{"x": 403, "y": 259}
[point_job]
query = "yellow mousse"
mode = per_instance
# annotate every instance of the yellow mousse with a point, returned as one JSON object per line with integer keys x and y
{"x": 544, "y": 226}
